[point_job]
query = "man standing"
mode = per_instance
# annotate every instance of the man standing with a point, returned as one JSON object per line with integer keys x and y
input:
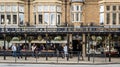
{"x": 14, "y": 50}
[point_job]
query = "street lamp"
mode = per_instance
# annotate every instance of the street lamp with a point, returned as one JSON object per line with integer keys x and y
{"x": 4, "y": 41}
{"x": 109, "y": 36}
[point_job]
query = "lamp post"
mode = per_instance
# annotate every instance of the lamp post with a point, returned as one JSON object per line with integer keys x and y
{"x": 109, "y": 45}
{"x": 25, "y": 46}
{"x": 46, "y": 44}
{"x": 88, "y": 44}
{"x": 4, "y": 42}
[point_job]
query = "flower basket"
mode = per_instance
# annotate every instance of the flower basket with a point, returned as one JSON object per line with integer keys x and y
{"x": 93, "y": 37}
{"x": 99, "y": 38}
{"x": 39, "y": 38}
{"x": 58, "y": 38}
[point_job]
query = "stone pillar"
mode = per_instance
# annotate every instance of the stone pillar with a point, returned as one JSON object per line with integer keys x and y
{"x": 83, "y": 46}
{"x": 70, "y": 38}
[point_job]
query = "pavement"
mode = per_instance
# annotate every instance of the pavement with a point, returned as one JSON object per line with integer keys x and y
{"x": 59, "y": 60}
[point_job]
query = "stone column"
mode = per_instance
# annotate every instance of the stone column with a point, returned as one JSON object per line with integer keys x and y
{"x": 83, "y": 46}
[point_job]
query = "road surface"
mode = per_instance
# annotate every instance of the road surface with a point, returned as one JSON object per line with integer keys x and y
{"x": 55, "y": 65}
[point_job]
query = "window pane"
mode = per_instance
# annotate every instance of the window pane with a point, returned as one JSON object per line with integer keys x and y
{"x": 72, "y": 7}
{"x": 77, "y": 7}
{"x": 8, "y": 8}
{"x": 8, "y": 19}
{"x": 46, "y": 8}
{"x": 21, "y": 18}
{"x": 108, "y": 8}
{"x": 108, "y": 18}
{"x": 77, "y": 16}
{"x": 119, "y": 18}
{"x": 14, "y": 19}
{"x": 72, "y": 16}
{"x": 114, "y": 8}
{"x": 58, "y": 9}
{"x": 80, "y": 16}
{"x": 34, "y": 18}
{"x": 2, "y": 19}
{"x": 52, "y": 19}
{"x": 21, "y": 8}
{"x": 40, "y": 18}
{"x": 119, "y": 7}
{"x": 40, "y": 8}
{"x": 58, "y": 19}
{"x": 2, "y": 8}
{"x": 114, "y": 18}
{"x": 101, "y": 8}
{"x": 14, "y": 8}
{"x": 46, "y": 18}
{"x": 34, "y": 9}
{"x": 52, "y": 8}
{"x": 101, "y": 18}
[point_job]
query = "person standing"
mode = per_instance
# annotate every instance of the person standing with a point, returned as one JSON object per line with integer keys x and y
{"x": 65, "y": 49}
{"x": 19, "y": 51}
{"x": 33, "y": 50}
{"x": 14, "y": 49}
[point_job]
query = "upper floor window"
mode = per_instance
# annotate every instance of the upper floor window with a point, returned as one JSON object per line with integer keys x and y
{"x": 21, "y": 8}
{"x": 8, "y": 8}
{"x": 2, "y": 8}
{"x": 114, "y": 8}
{"x": 14, "y": 8}
{"x": 119, "y": 7}
{"x": 48, "y": 14}
{"x": 107, "y": 8}
{"x": 76, "y": 8}
{"x": 101, "y": 8}
{"x": 76, "y": 14}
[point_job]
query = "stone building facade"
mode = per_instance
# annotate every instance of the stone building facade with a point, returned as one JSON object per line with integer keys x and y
{"x": 59, "y": 13}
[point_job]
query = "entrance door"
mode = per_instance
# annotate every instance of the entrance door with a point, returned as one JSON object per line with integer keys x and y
{"x": 75, "y": 44}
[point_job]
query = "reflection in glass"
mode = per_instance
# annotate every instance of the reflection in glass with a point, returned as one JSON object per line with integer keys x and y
{"x": 21, "y": 18}
{"x": 21, "y": 8}
{"x": 8, "y": 8}
{"x": 2, "y": 19}
{"x": 101, "y": 17}
{"x": 14, "y": 8}
{"x": 52, "y": 19}
{"x": 40, "y": 8}
{"x": 46, "y": 8}
{"x": 14, "y": 19}
{"x": 2, "y": 8}
{"x": 8, "y": 19}
{"x": 58, "y": 9}
{"x": 53, "y": 8}
{"x": 46, "y": 18}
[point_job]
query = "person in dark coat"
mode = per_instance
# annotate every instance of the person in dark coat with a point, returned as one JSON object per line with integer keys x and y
{"x": 19, "y": 54}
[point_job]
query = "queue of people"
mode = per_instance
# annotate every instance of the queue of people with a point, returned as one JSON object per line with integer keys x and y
{"x": 63, "y": 49}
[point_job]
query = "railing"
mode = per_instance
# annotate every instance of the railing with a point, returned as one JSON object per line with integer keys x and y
{"x": 56, "y": 57}
{"x": 61, "y": 29}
